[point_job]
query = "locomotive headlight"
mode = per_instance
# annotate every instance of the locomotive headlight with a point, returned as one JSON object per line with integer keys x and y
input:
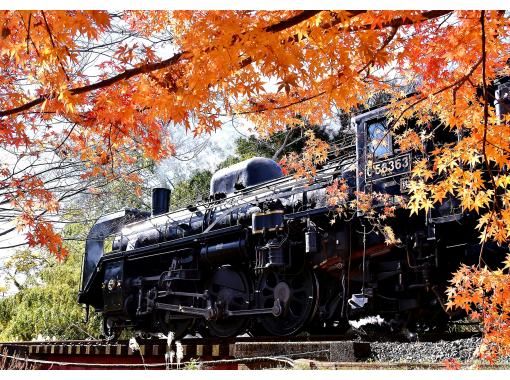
{"x": 112, "y": 284}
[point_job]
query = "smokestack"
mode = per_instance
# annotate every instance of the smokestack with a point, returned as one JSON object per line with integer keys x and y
{"x": 160, "y": 200}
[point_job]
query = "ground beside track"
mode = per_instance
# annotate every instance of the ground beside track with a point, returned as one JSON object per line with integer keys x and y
{"x": 302, "y": 352}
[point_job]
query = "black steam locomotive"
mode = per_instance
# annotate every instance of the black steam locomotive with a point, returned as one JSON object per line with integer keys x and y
{"x": 266, "y": 254}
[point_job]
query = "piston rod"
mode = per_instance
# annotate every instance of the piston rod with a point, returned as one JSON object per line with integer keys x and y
{"x": 212, "y": 313}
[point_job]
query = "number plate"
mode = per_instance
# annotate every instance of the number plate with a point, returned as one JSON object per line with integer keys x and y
{"x": 390, "y": 167}
{"x": 404, "y": 184}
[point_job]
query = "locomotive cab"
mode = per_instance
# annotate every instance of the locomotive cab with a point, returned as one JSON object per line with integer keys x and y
{"x": 381, "y": 166}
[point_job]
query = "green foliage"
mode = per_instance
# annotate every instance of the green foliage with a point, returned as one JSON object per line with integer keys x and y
{"x": 47, "y": 304}
{"x": 114, "y": 195}
{"x": 254, "y": 147}
{"x": 192, "y": 365}
{"x": 195, "y": 188}
{"x": 22, "y": 265}
{"x": 275, "y": 146}
{"x": 187, "y": 192}
{"x": 248, "y": 147}
{"x": 229, "y": 161}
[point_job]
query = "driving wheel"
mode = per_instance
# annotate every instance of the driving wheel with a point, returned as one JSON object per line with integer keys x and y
{"x": 296, "y": 297}
{"x": 229, "y": 290}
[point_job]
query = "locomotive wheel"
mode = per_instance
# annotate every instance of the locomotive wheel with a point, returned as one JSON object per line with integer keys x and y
{"x": 111, "y": 329}
{"x": 229, "y": 290}
{"x": 298, "y": 295}
{"x": 179, "y": 324}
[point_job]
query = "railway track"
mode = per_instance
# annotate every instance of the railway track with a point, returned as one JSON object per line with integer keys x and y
{"x": 428, "y": 337}
{"x": 260, "y": 352}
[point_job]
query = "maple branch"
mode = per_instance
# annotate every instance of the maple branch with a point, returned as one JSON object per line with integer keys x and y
{"x": 275, "y": 28}
{"x": 28, "y": 29}
{"x": 291, "y": 21}
{"x": 127, "y": 74}
{"x": 282, "y": 147}
{"x": 284, "y": 106}
{"x": 485, "y": 99}
{"x": 457, "y": 84}
{"x": 101, "y": 46}
{"x": 401, "y": 21}
{"x": 385, "y": 43}
{"x": 149, "y": 67}
{"x": 485, "y": 128}
{"x": 5, "y": 232}
{"x": 486, "y": 103}
{"x": 53, "y": 44}
{"x": 395, "y": 23}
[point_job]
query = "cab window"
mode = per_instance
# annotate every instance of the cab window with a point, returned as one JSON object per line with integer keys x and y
{"x": 379, "y": 139}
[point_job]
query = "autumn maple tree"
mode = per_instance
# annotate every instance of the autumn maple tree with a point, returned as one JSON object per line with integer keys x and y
{"x": 95, "y": 90}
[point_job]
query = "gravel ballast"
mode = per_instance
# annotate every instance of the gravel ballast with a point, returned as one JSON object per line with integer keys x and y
{"x": 462, "y": 350}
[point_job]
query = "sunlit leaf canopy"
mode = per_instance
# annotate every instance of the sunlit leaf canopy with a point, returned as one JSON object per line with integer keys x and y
{"x": 100, "y": 87}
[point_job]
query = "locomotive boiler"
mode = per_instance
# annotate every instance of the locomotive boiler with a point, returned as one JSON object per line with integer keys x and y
{"x": 267, "y": 254}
